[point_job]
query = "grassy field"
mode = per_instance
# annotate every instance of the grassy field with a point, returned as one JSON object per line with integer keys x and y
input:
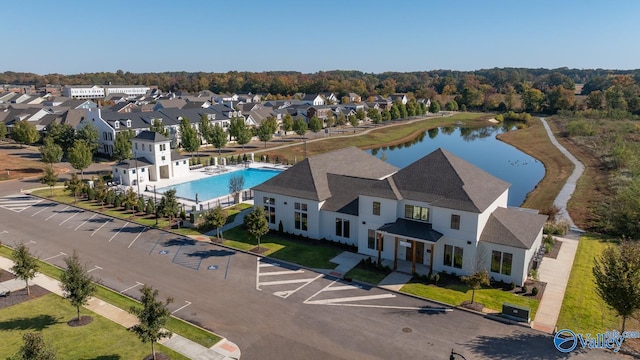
{"x": 101, "y": 339}
{"x": 457, "y": 294}
{"x": 534, "y": 141}
{"x": 582, "y": 309}
{"x": 201, "y": 336}
{"x": 304, "y": 253}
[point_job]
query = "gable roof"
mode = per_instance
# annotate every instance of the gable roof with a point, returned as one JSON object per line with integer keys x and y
{"x": 308, "y": 179}
{"x": 345, "y": 192}
{"x": 512, "y": 227}
{"x": 151, "y": 136}
{"x": 450, "y": 182}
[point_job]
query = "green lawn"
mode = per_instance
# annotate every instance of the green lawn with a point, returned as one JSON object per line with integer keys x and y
{"x": 299, "y": 252}
{"x": 364, "y": 275}
{"x": 201, "y": 336}
{"x": 456, "y": 294}
{"x": 101, "y": 339}
{"x": 582, "y": 309}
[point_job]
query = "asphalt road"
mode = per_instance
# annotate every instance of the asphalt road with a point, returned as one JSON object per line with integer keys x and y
{"x": 272, "y": 311}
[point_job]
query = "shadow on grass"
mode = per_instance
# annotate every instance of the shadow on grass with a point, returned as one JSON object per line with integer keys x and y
{"x": 107, "y": 357}
{"x": 36, "y": 323}
{"x": 211, "y": 253}
{"x": 519, "y": 346}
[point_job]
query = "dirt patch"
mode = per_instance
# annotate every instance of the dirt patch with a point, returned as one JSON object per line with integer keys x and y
{"x": 553, "y": 253}
{"x": 259, "y": 250}
{"x": 84, "y": 320}
{"x": 17, "y": 162}
{"x": 19, "y": 296}
{"x": 5, "y": 275}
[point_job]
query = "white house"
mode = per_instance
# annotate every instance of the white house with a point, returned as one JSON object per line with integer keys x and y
{"x": 441, "y": 212}
{"x": 153, "y": 161}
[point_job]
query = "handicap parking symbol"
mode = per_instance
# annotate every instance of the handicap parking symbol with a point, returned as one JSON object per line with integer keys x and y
{"x": 212, "y": 267}
{"x": 164, "y": 252}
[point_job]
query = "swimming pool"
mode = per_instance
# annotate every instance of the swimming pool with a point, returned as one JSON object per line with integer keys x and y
{"x": 218, "y": 185}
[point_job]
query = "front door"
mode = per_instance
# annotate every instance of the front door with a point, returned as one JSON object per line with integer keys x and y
{"x": 419, "y": 252}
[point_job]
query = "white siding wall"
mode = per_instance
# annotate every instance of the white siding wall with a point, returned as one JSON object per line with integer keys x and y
{"x": 501, "y": 201}
{"x": 388, "y": 214}
{"x": 94, "y": 118}
{"x": 285, "y": 212}
{"x": 328, "y": 226}
{"x": 518, "y": 265}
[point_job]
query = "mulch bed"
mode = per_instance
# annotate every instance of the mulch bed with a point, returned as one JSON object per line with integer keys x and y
{"x": 84, "y": 320}
{"x": 259, "y": 250}
{"x": 5, "y": 275}
{"x": 159, "y": 356}
{"x": 553, "y": 253}
{"x": 476, "y": 306}
{"x": 19, "y": 296}
{"x": 530, "y": 284}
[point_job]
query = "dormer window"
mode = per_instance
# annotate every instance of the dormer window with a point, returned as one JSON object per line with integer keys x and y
{"x": 128, "y": 123}
{"x": 116, "y": 125}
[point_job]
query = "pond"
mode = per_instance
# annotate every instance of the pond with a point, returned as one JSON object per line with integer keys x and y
{"x": 478, "y": 146}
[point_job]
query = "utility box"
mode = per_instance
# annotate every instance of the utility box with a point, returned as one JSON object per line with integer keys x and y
{"x": 515, "y": 312}
{"x": 197, "y": 217}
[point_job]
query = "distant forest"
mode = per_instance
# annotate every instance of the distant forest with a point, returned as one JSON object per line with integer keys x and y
{"x": 486, "y": 89}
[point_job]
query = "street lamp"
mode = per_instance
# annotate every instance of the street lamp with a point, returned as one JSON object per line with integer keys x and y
{"x": 137, "y": 172}
{"x": 155, "y": 203}
{"x": 454, "y": 354}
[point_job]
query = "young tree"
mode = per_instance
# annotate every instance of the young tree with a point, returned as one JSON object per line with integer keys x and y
{"x": 256, "y": 223}
{"x": 77, "y": 285}
{"x": 89, "y": 134}
{"x": 617, "y": 278}
{"x": 360, "y": 114}
{"x": 140, "y": 206}
{"x": 188, "y": 136}
{"x": 152, "y": 316}
{"x": 169, "y": 206}
{"x": 101, "y": 191}
{"x": 244, "y": 135}
{"x": 354, "y": 121}
{"x": 34, "y": 348}
{"x": 130, "y": 200}
{"x": 300, "y": 127}
{"x": 475, "y": 281}
{"x": 24, "y": 132}
{"x": 217, "y": 137}
{"x": 50, "y": 152}
{"x": 158, "y": 126}
{"x": 49, "y": 178}
{"x": 62, "y": 134}
{"x": 25, "y": 266}
{"x": 235, "y": 126}
{"x": 236, "y": 184}
{"x": 216, "y": 218}
{"x": 3, "y": 131}
{"x": 330, "y": 120}
{"x": 264, "y": 134}
{"x": 434, "y": 108}
{"x": 341, "y": 120}
{"x": 315, "y": 124}
{"x": 122, "y": 145}
{"x": 80, "y": 156}
{"x": 287, "y": 123}
{"x": 374, "y": 115}
{"x": 205, "y": 127}
{"x": 74, "y": 185}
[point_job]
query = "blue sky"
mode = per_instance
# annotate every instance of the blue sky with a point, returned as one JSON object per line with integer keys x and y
{"x": 70, "y": 37}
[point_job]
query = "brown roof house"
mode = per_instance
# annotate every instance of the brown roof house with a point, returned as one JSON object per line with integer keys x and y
{"x": 439, "y": 213}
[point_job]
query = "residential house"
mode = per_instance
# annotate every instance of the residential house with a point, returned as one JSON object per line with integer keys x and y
{"x": 440, "y": 213}
{"x": 313, "y": 99}
{"x": 398, "y": 97}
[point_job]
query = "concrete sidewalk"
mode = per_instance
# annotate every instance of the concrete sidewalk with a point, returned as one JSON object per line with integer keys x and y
{"x": 223, "y": 350}
{"x": 554, "y": 272}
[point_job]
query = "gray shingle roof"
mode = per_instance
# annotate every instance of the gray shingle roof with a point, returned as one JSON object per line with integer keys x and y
{"x": 151, "y": 136}
{"x": 445, "y": 180}
{"x": 308, "y": 179}
{"x": 411, "y": 229}
{"x": 131, "y": 163}
{"x": 345, "y": 191}
{"x": 512, "y": 227}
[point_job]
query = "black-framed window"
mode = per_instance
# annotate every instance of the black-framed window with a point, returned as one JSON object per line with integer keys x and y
{"x": 343, "y": 228}
{"x": 300, "y": 216}
{"x": 455, "y": 221}
{"x": 501, "y": 262}
{"x": 453, "y": 256}
{"x": 416, "y": 212}
{"x": 376, "y": 208}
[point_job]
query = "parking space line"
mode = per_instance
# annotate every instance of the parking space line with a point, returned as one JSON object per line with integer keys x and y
{"x": 114, "y": 235}
{"x": 282, "y": 282}
{"x": 131, "y": 287}
{"x": 352, "y": 298}
{"x": 92, "y": 216}
{"x": 41, "y": 210}
{"x": 103, "y": 224}
{"x": 286, "y": 294}
{"x": 180, "y": 308}
{"x": 96, "y": 267}
{"x": 425, "y": 309}
{"x": 266, "y": 264}
{"x": 282, "y": 272}
{"x": 56, "y": 213}
{"x": 54, "y": 256}
{"x": 344, "y": 287}
{"x": 69, "y": 218}
{"x": 134, "y": 240}
{"x": 258, "y": 274}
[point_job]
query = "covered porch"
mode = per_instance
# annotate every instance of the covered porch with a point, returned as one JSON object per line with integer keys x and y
{"x": 413, "y": 243}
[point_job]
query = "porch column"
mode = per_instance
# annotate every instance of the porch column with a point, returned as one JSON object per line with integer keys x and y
{"x": 431, "y": 260}
{"x": 379, "y": 236}
{"x": 413, "y": 256}
{"x": 395, "y": 254}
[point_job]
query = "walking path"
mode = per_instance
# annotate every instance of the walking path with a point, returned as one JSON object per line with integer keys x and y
{"x": 223, "y": 350}
{"x": 569, "y": 187}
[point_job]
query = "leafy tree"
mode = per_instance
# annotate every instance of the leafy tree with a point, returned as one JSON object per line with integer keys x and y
{"x": 595, "y": 100}
{"x": 74, "y": 185}
{"x": 236, "y": 184}
{"x": 216, "y": 218}
{"x": 24, "y": 132}
{"x": 287, "y": 123}
{"x": 24, "y": 266}
{"x": 244, "y": 136}
{"x": 158, "y": 126}
{"x": 77, "y": 285}
{"x": 330, "y": 120}
{"x": 152, "y": 317}
{"x": 451, "y": 106}
{"x": 205, "y": 127}
{"x": 395, "y": 112}
{"x": 34, "y": 348}
{"x": 80, "y": 156}
{"x": 140, "y": 206}
{"x": 341, "y": 120}
{"x": 264, "y": 134}
{"x": 532, "y": 100}
{"x": 49, "y": 178}
{"x": 560, "y": 99}
{"x": 217, "y": 137}
{"x": 434, "y": 108}
{"x": 271, "y": 123}
{"x": 3, "y": 130}
{"x": 617, "y": 278}
{"x": 360, "y": 114}
{"x": 315, "y": 124}
{"x": 50, "y": 152}
{"x": 150, "y": 207}
{"x": 62, "y": 134}
{"x": 188, "y": 136}
{"x": 475, "y": 281}
{"x": 300, "y": 126}
{"x": 386, "y": 115}
{"x": 130, "y": 200}
{"x": 374, "y": 115}
{"x": 354, "y": 121}
{"x": 235, "y": 126}
{"x": 169, "y": 205}
{"x": 90, "y": 135}
{"x": 100, "y": 191}
{"x": 256, "y": 223}
{"x": 122, "y": 145}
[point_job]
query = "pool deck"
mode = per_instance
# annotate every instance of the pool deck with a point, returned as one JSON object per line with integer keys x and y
{"x": 147, "y": 189}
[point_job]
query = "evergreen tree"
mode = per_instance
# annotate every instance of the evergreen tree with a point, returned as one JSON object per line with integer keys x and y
{"x": 74, "y": 185}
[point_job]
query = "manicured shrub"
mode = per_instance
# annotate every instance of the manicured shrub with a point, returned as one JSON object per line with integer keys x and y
{"x": 534, "y": 291}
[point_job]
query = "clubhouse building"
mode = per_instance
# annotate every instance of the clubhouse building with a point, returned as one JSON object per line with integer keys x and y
{"x": 440, "y": 212}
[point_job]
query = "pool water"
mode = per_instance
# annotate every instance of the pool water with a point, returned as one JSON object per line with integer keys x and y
{"x": 218, "y": 185}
